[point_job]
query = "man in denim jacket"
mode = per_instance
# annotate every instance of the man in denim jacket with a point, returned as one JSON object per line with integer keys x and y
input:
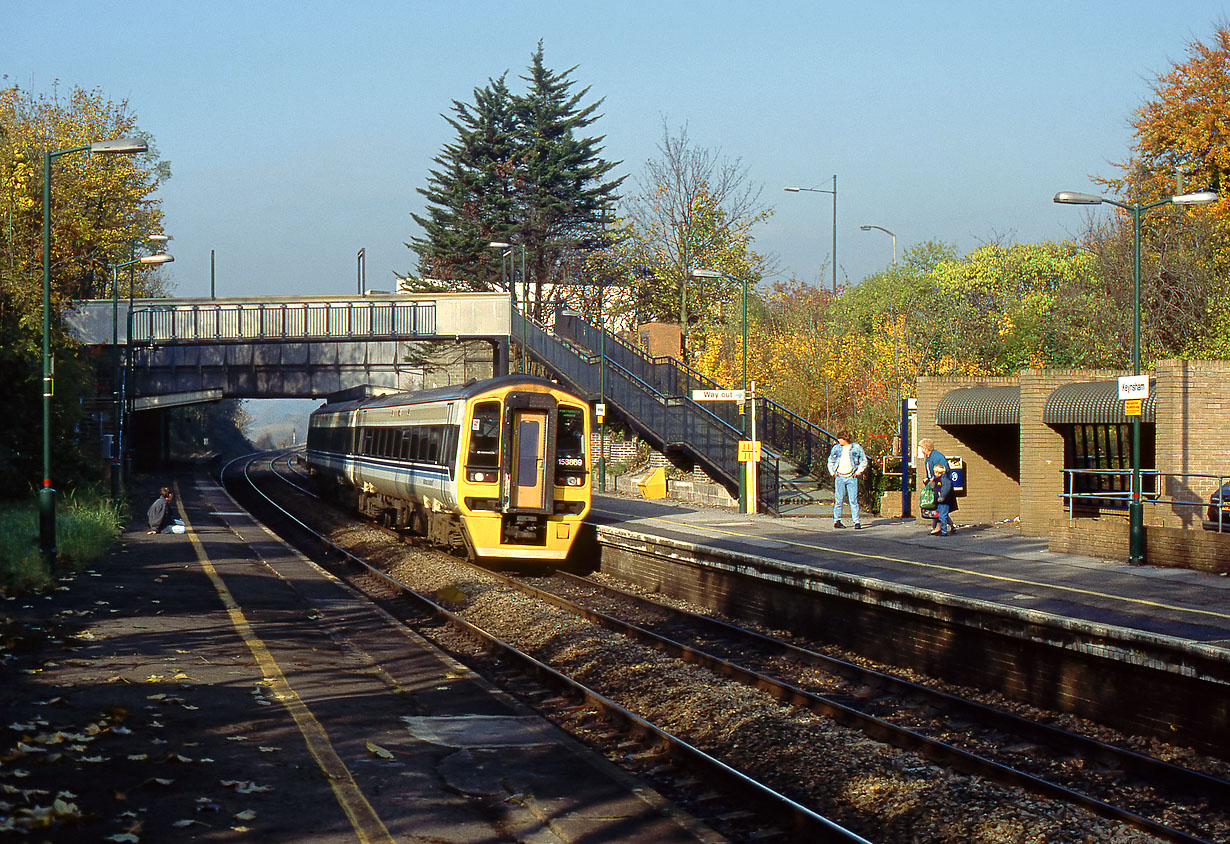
{"x": 847, "y": 461}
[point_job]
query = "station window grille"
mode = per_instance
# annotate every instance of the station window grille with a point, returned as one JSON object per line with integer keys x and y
{"x": 1103, "y": 454}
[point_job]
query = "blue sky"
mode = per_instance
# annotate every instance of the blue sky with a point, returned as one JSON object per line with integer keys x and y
{"x": 297, "y": 132}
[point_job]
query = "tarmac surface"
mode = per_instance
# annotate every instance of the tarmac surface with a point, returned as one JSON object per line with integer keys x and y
{"x": 216, "y": 686}
{"x": 985, "y": 563}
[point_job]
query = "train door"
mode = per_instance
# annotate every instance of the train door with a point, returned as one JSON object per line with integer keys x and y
{"x": 529, "y": 459}
{"x": 528, "y": 453}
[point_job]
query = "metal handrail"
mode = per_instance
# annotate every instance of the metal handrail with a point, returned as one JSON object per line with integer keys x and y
{"x": 215, "y": 322}
{"x": 1126, "y": 495}
{"x": 634, "y": 388}
{"x": 804, "y": 442}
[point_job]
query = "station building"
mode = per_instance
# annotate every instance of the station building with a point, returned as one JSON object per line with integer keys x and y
{"x": 1053, "y": 448}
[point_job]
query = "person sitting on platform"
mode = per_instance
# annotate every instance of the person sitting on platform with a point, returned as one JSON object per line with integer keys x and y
{"x": 161, "y": 514}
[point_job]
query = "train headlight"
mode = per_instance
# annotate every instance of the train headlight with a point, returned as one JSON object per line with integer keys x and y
{"x": 481, "y": 477}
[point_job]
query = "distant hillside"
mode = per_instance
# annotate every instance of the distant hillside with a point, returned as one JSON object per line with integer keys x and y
{"x": 278, "y": 423}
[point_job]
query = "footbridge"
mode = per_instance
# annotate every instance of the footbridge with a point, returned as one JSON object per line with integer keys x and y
{"x": 178, "y": 351}
{"x": 653, "y": 395}
{"x": 166, "y": 352}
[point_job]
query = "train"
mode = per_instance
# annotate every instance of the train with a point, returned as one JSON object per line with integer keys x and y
{"x": 498, "y": 468}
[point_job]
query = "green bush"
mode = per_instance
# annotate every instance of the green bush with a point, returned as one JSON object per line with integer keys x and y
{"x": 86, "y": 526}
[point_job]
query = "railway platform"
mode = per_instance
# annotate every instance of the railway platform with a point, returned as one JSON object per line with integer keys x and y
{"x": 991, "y": 565}
{"x": 218, "y": 686}
{"x": 1140, "y": 648}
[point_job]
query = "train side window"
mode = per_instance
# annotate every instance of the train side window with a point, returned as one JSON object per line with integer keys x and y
{"x": 420, "y": 443}
{"x": 403, "y": 444}
{"x": 435, "y": 434}
{"x": 484, "y": 450}
{"x": 368, "y": 436}
{"x": 448, "y": 453}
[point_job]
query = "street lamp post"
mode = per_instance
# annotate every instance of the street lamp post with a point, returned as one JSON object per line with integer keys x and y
{"x": 887, "y": 232}
{"x": 361, "y": 270}
{"x": 905, "y": 466}
{"x": 834, "y": 193}
{"x": 116, "y": 425}
{"x": 525, "y": 293}
{"x": 743, "y": 491}
{"x": 47, "y": 493}
{"x": 1136, "y": 522}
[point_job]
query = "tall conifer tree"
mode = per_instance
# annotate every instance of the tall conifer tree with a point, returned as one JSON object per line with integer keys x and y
{"x": 521, "y": 172}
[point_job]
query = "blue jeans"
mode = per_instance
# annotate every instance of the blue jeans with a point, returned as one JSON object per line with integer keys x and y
{"x": 942, "y": 519}
{"x": 847, "y": 487}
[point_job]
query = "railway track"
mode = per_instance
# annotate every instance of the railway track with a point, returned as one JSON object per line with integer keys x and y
{"x": 881, "y": 707}
{"x": 742, "y": 806}
{"x": 1168, "y": 800}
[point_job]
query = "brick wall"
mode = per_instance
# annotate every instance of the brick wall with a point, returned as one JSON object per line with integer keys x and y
{"x": 990, "y": 453}
{"x": 1168, "y": 547}
{"x": 1193, "y": 407}
{"x": 1042, "y": 479}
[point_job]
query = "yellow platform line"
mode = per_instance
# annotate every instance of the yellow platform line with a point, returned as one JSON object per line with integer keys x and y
{"x": 1075, "y": 590}
{"x": 363, "y": 818}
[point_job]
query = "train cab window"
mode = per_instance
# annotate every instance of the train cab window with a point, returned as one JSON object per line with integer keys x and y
{"x": 570, "y": 446}
{"x": 484, "y": 450}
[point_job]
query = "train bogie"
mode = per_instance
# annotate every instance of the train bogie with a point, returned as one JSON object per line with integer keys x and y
{"x": 500, "y": 467}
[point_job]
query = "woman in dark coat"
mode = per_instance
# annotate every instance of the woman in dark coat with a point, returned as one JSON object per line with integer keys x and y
{"x": 945, "y": 500}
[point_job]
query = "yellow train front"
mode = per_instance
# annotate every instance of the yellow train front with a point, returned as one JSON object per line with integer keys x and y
{"x": 500, "y": 467}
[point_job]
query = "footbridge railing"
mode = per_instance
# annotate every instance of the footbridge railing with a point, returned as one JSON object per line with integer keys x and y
{"x": 795, "y": 439}
{"x": 669, "y": 419}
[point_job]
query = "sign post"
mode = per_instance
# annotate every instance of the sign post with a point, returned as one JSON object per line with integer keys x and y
{"x": 749, "y": 450}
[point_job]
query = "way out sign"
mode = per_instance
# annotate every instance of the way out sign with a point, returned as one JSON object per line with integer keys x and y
{"x": 717, "y": 395}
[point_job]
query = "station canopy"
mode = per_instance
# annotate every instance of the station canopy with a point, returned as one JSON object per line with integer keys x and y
{"x": 980, "y": 406}
{"x": 1093, "y": 403}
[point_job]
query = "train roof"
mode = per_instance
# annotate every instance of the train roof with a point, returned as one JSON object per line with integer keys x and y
{"x": 345, "y": 401}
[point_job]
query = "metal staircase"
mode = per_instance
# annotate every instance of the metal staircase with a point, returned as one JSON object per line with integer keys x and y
{"x": 653, "y": 395}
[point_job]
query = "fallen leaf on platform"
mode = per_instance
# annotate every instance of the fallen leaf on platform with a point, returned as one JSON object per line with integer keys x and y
{"x": 377, "y": 750}
{"x": 245, "y": 815}
{"x": 245, "y": 787}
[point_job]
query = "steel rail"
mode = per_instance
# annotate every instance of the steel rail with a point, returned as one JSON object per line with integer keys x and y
{"x": 877, "y": 728}
{"x": 804, "y": 823}
{"x": 1157, "y": 770}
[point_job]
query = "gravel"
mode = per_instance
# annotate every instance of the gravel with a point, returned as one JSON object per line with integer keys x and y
{"x": 885, "y": 794}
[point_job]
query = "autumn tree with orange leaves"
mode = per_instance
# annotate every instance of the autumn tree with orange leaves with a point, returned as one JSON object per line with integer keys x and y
{"x": 1182, "y": 144}
{"x": 99, "y": 205}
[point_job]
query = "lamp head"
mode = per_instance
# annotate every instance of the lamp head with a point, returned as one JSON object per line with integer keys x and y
{"x": 120, "y": 145}
{"x": 160, "y": 258}
{"x": 499, "y": 244}
{"x": 706, "y": 274}
{"x": 1068, "y": 197}
{"x": 793, "y": 190}
{"x": 1203, "y": 197}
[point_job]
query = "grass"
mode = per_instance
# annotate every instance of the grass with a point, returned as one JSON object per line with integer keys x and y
{"x": 87, "y": 523}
